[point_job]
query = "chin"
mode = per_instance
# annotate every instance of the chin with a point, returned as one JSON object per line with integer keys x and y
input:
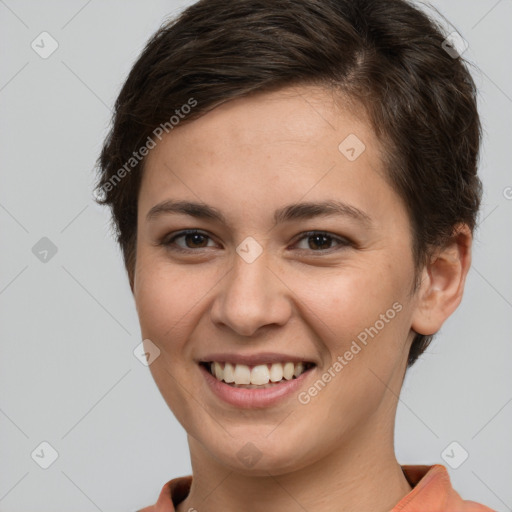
{"x": 258, "y": 456}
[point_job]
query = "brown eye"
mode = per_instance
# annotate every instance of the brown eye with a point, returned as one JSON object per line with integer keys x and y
{"x": 318, "y": 241}
{"x": 195, "y": 239}
{"x": 192, "y": 240}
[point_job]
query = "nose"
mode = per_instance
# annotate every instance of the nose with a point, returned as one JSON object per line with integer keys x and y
{"x": 251, "y": 296}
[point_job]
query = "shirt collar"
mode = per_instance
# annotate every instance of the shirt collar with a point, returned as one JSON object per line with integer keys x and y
{"x": 431, "y": 490}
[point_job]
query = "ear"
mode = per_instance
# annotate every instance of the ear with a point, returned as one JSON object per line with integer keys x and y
{"x": 442, "y": 283}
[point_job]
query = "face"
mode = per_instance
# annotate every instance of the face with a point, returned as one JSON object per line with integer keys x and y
{"x": 263, "y": 278}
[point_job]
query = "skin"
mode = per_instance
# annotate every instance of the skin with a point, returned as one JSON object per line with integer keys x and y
{"x": 248, "y": 158}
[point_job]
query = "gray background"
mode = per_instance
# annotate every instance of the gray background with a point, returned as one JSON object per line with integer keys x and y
{"x": 68, "y": 326}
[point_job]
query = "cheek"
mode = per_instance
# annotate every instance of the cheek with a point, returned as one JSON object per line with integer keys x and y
{"x": 348, "y": 300}
{"x": 363, "y": 315}
{"x": 167, "y": 297}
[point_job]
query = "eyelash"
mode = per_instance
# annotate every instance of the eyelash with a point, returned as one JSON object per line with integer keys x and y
{"x": 168, "y": 242}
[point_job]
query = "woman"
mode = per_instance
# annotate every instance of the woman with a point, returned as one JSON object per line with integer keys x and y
{"x": 294, "y": 189}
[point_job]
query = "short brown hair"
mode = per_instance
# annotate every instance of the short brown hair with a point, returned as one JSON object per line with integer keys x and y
{"x": 386, "y": 55}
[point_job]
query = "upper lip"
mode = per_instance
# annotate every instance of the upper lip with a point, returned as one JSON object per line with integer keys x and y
{"x": 253, "y": 359}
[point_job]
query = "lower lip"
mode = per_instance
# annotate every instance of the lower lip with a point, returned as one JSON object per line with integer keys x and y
{"x": 253, "y": 397}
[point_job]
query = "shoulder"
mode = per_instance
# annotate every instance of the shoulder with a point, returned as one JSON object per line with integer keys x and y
{"x": 173, "y": 492}
{"x": 433, "y": 490}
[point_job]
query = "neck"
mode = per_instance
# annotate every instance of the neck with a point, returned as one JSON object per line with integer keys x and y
{"x": 360, "y": 475}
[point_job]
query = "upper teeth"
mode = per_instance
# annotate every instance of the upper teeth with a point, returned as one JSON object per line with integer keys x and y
{"x": 259, "y": 375}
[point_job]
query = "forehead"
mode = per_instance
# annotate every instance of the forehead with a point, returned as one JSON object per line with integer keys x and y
{"x": 302, "y": 115}
{"x": 267, "y": 149}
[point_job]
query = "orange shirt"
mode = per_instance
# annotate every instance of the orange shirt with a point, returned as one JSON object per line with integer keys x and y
{"x": 431, "y": 491}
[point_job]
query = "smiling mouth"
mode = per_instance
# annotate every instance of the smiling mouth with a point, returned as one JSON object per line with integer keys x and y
{"x": 258, "y": 376}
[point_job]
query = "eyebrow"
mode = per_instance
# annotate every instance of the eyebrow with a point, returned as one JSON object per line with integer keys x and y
{"x": 296, "y": 211}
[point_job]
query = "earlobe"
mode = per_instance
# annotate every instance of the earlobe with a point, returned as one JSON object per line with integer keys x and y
{"x": 442, "y": 284}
